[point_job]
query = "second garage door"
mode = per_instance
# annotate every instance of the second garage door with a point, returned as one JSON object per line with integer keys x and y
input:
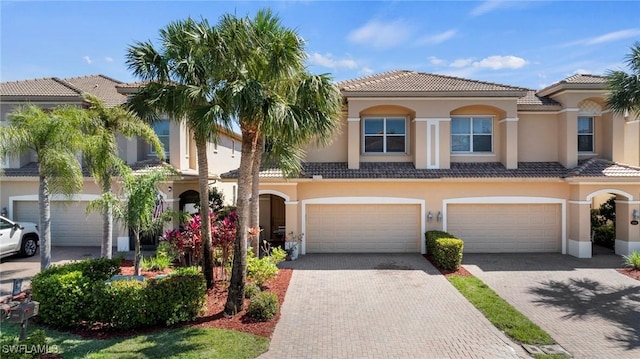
{"x": 70, "y": 225}
{"x": 362, "y": 228}
{"x": 508, "y": 228}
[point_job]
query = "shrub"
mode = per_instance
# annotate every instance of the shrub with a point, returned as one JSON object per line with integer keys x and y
{"x": 121, "y": 304}
{"x": 179, "y": 297}
{"x": 27, "y": 349}
{"x": 263, "y": 306}
{"x": 250, "y": 290}
{"x": 156, "y": 263}
{"x": 432, "y": 236}
{"x": 260, "y": 270}
{"x": 448, "y": 253}
{"x": 633, "y": 260}
{"x": 605, "y": 235}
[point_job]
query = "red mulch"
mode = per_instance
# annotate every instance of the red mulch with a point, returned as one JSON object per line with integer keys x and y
{"x": 214, "y": 316}
{"x": 630, "y": 272}
{"x": 461, "y": 271}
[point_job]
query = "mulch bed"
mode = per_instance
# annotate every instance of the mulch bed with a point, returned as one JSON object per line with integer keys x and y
{"x": 213, "y": 317}
{"x": 629, "y": 272}
{"x": 460, "y": 272}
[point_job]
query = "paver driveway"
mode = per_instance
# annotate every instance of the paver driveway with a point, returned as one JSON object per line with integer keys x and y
{"x": 589, "y": 308}
{"x": 380, "y": 306}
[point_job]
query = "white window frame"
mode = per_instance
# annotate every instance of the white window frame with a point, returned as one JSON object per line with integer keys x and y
{"x": 471, "y": 134}
{"x": 592, "y": 133}
{"x": 385, "y": 135}
{"x": 152, "y": 151}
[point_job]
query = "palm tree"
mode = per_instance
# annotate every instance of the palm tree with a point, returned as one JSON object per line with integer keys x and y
{"x": 55, "y": 137}
{"x": 183, "y": 77}
{"x": 276, "y": 99}
{"x": 101, "y": 155}
{"x": 624, "y": 96}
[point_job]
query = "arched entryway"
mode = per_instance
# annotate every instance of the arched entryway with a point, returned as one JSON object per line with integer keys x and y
{"x": 189, "y": 200}
{"x": 272, "y": 218}
{"x": 617, "y": 230}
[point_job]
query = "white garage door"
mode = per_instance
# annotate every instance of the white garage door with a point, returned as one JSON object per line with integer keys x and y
{"x": 70, "y": 225}
{"x": 362, "y": 228}
{"x": 508, "y": 228}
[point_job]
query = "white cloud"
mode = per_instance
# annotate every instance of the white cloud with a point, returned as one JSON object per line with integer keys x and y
{"x": 438, "y": 38}
{"x": 613, "y": 36}
{"x": 108, "y": 59}
{"x": 459, "y": 63}
{"x": 501, "y": 62}
{"x": 366, "y": 71}
{"x": 487, "y": 7}
{"x": 436, "y": 61}
{"x": 87, "y": 59}
{"x": 381, "y": 34}
{"x": 328, "y": 60}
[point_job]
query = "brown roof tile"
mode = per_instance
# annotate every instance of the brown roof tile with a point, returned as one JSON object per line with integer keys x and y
{"x": 100, "y": 86}
{"x": 403, "y": 81}
{"x": 598, "y": 167}
{"x": 577, "y": 81}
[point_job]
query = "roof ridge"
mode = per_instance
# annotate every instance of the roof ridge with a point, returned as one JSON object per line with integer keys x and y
{"x": 357, "y": 79}
{"x": 67, "y": 84}
{"x": 578, "y": 170}
{"x": 472, "y": 80}
{"x": 94, "y": 75}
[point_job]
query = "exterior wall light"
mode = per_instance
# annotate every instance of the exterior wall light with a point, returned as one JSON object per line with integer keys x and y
{"x": 429, "y": 217}
{"x": 635, "y": 214}
{"x": 439, "y": 216}
{"x": 4, "y": 212}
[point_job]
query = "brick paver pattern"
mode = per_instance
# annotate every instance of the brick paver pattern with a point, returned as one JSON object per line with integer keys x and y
{"x": 380, "y": 306}
{"x": 585, "y": 304}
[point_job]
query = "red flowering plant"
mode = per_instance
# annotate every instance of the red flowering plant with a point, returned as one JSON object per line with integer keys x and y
{"x": 223, "y": 235}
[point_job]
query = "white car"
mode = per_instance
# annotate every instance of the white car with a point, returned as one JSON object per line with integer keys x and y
{"x": 18, "y": 237}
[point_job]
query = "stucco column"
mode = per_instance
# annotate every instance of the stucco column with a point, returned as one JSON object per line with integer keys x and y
{"x": 292, "y": 219}
{"x": 568, "y": 137}
{"x": 632, "y": 145}
{"x": 353, "y": 129}
{"x": 510, "y": 142}
{"x": 422, "y": 143}
{"x": 579, "y": 240}
{"x": 178, "y": 145}
{"x": 627, "y": 234}
{"x": 444, "y": 129}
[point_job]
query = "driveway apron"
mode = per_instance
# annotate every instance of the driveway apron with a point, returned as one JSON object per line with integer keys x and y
{"x": 585, "y": 304}
{"x": 380, "y": 306}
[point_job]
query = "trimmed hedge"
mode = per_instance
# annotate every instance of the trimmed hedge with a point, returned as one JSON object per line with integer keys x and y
{"x": 78, "y": 294}
{"x": 445, "y": 249}
{"x": 263, "y": 306}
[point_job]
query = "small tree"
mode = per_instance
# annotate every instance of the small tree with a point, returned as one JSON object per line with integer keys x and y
{"x": 136, "y": 211}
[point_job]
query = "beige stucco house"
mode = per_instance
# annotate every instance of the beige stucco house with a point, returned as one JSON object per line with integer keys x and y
{"x": 71, "y": 225}
{"x": 506, "y": 169}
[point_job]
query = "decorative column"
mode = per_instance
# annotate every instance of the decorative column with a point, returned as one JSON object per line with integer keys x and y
{"x": 353, "y": 138}
{"x": 579, "y": 239}
{"x": 568, "y": 137}
{"x": 510, "y": 142}
{"x": 627, "y": 233}
{"x": 422, "y": 144}
{"x": 291, "y": 220}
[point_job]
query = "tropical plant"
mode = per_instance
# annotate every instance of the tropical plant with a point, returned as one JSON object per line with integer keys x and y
{"x": 632, "y": 260}
{"x": 136, "y": 210}
{"x": 274, "y": 99}
{"x": 55, "y": 137}
{"x": 101, "y": 155}
{"x": 183, "y": 76}
{"x": 624, "y": 88}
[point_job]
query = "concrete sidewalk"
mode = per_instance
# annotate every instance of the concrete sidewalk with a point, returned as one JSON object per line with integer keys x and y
{"x": 585, "y": 304}
{"x": 380, "y": 306}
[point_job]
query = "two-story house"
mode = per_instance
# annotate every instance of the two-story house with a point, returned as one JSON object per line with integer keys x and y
{"x": 71, "y": 225}
{"x": 506, "y": 169}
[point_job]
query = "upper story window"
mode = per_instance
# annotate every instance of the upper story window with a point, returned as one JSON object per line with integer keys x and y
{"x": 585, "y": 134}
{"x": 472, "y": 134}
{"x": 161, "y": 128}
{"x": 385, "y": 135}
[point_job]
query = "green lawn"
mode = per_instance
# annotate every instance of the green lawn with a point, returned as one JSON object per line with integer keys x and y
{"x": 184, "y": 342}
{"x": 499, "y": 312}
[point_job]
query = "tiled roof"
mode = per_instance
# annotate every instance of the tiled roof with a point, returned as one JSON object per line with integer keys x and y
{"x": 31, "y": 168}
{"x": 585, "y": 79}
{"x": 577, "y": 81}
{"x": 100, "y": 86}
{"x": 403, "y": 81}
{"x": 533, "y": 100}
{"x": 406, "y": 170}
{"x": 597, "y": 167}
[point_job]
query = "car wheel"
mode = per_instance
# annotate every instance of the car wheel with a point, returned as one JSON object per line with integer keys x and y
{"x": 29, "y": 247}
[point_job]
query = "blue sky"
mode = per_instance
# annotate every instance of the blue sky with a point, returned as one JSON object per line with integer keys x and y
{"x": 520, "y": 43}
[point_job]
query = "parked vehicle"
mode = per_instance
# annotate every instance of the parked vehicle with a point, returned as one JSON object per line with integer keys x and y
{"x": 18, "y": 237}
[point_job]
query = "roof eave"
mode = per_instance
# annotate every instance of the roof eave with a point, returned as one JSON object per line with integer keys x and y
{"x": 514, "y": 94}
{"x": 554, "y": 89}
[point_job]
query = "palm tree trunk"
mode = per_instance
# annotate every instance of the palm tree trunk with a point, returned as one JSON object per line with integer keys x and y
{"x": 107, "y": 224}
{"x": 138, "y": 258}
{"x": 239, "y": 270}
{"x": 45, "y": 223}
{"x": 203, "y": 183}
{"x": 255, "y": 197}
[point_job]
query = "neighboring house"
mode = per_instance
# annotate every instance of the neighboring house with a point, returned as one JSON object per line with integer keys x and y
{"x": 71, "y": 225}
{"x": 506, "y": 169}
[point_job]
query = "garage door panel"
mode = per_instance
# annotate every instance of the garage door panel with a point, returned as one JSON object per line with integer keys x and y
{"x": 70, "y": 225}
{"x": 495, "y": 228}
{"x": 362, "y": 228}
